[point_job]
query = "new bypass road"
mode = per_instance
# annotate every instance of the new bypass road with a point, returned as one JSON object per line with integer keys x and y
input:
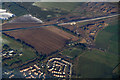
{"x": 58, "y": 24}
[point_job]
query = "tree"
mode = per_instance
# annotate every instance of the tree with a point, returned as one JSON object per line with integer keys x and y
{"x": 5, "y": 46}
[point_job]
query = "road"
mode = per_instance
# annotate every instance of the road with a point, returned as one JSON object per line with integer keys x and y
{"x": 74, "y": 22}
{"x": 90, "y": 19}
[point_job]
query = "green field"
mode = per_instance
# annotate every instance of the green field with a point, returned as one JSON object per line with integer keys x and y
{"x": 28, "y": 52}
{"x": 96, "y": 64}
{"x": 15, "y": 8}
{"x": 107, "y": 39}
{"x": 68, "y": 6}
{"x": 73, "y": 52}
{"x": 24, "y": 8}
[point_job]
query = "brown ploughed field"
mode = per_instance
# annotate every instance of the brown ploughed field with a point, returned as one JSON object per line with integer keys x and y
{"x": 44, "y": 39}
{"x": 19, "y": 25}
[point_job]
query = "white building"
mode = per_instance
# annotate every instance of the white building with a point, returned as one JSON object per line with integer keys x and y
{"x": 3, "y": 10}
{"x": 4, "y": 15}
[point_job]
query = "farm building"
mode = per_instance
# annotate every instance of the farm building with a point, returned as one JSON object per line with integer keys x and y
{"x": 4, "y": 15}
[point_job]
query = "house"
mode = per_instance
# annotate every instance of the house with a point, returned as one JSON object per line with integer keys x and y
{"x": 20, "y": 54}
{"x": 11, "y": 76}
{"x": 11, "y": 51}
{"x": 36, "y": 66}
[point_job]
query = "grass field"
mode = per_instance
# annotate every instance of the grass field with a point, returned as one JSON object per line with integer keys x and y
{"x": 61, "y": 5}
{"x": 23, "y": 8}
{"x": 15, "y": 8}
{"x": 96, "y": 64}
{"x": 28, "y": 53}
{"x": 73, "y": 52}
{"x": 117, "y": 70}
{"x": 107, "y": 39}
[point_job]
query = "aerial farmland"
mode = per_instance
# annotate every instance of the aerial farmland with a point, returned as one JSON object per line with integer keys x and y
{"x": 46, "y": 41}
